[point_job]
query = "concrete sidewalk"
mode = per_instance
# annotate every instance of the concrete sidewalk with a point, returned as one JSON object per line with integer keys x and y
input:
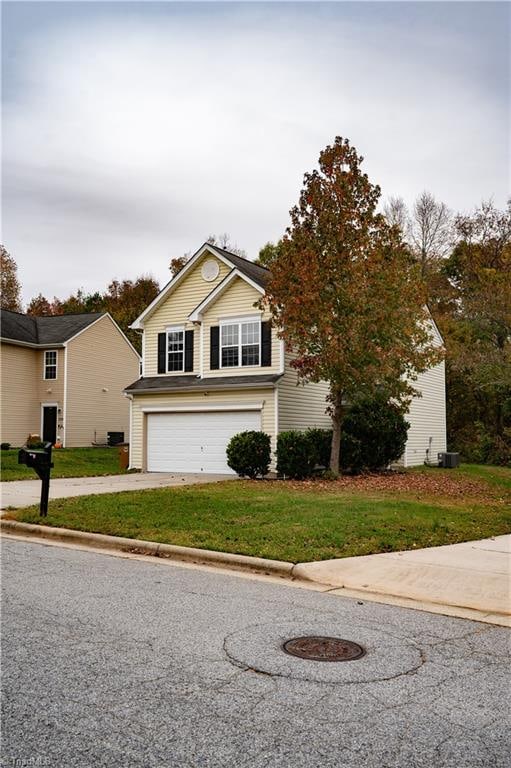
{"x": 475, "y": 575}
{"x": 23, "y": 493}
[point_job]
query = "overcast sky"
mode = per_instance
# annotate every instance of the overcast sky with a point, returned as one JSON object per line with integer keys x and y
{"x": 131, "y": 131}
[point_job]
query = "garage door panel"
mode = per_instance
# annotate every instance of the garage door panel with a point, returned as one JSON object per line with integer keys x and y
{"x": 194, "y": 442}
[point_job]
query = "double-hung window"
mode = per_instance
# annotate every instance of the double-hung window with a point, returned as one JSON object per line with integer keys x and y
{"x": 240, "y": 343}
{"x": 50, "y": 364}
{"x": 175, "y": 349}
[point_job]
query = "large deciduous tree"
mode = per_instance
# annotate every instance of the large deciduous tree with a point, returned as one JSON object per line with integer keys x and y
{"x": 10, "y": 288}
{"x": 346, "y": 294}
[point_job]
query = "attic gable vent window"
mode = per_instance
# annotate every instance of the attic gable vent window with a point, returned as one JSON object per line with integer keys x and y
{"x": 50, "y": 364}
{"x": 210, "y": 270}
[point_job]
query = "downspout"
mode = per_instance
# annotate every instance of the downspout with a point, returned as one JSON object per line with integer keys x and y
{"x": 201, "y": 350}
{"x": 64, "y": 415}
{"x": 130, "y": 398}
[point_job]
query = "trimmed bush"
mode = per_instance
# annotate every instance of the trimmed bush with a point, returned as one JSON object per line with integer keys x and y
{"x": 374, "y": 435}
{"x": 249, "y": 454}
{"x": 5, "y": 446}
{"x": 297, "y": 454}
{"x": 322, "y": 440}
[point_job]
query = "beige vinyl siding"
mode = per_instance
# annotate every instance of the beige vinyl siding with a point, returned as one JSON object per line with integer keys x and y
{"x": 427, "y": 418}
{"x": 175, "y": 310}
{"x": 427, "y": 414}
{"x": 99, "y": 358}
{"x": 233, "y": 397}
{"x": 20, "y": 407}
{"x": 301, "y": 405}
{"x": 237, "y": 301}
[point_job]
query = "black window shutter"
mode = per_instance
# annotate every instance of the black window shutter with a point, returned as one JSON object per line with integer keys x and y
{"x": 214, "y": 350}
{"x": 188, "y": 350}
{"x": 266, "y": 343}
{"x": 162, "y": 343}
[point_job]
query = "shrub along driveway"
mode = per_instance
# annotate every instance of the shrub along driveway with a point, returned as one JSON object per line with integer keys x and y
{"x": 304, "y": 521}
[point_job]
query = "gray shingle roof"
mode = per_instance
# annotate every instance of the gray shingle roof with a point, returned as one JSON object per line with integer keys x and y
{"x": 18, "y": 327}
{"x": 259, "y": 275}
{"x": 194, "y": 383}
{"x": 54, "y": 329}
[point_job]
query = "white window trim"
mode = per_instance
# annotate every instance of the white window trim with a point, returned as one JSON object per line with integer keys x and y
{"x": 173, "y": 329}
{"x": 239, "y": 321}
{"x": 45, "y": 377}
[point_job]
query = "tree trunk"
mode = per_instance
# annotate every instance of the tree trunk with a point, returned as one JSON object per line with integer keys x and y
{"x": 335, "y": 452}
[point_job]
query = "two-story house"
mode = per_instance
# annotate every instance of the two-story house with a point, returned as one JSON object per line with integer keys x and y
{"x": 213, "y": 366}
{"x": 63, "y": 378}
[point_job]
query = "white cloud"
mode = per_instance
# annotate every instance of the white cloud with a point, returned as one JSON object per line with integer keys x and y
{"x": 133, "y": 139}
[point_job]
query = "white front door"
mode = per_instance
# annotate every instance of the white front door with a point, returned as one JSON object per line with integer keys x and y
{"x": 194, "y": 442}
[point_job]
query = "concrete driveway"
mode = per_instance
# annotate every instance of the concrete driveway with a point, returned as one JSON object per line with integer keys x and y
{"x": 22, "y": 493}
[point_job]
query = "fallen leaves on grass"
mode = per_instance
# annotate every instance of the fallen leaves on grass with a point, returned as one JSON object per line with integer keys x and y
{"x": 419, "y": 484}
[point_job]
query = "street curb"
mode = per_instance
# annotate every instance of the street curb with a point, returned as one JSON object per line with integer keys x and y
{"x": 136, "y": 546}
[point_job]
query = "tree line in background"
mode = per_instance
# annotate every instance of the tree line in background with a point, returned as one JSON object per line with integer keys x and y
{"x": 464, "y": 263}
{"x": 362, "y": 278}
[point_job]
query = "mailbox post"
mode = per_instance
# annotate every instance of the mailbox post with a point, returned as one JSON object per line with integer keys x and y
{"x": 40, "y": 460}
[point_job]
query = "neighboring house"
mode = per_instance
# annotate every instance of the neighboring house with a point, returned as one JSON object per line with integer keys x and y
{"x": 212, "y": 366}
{"x": 63, "y": 378}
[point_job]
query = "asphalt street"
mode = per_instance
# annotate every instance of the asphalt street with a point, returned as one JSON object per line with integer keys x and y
{"x": 116, "y": 662}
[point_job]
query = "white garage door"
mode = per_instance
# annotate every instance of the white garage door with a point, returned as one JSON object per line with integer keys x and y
{"x": 194, "y": 442}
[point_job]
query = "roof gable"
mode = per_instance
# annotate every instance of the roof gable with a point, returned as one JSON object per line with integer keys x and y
{"x": 244, "y": 268}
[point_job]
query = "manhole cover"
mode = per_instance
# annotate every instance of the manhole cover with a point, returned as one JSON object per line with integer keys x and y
{"x": 317, "y": 648}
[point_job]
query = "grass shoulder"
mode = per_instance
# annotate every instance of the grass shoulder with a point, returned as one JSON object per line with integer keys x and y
{"x": 301, "y": 521}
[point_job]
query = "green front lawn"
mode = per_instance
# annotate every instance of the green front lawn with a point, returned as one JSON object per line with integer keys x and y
{"x": 69, "y": 462}
{"x": 303, "y": 521}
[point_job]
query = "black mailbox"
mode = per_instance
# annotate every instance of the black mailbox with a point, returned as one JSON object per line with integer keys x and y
{"x": 40, "y": 460}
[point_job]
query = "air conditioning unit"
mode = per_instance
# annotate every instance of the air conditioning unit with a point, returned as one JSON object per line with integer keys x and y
{"x": 448, "y": 460}
{"x": 114, "y": 438}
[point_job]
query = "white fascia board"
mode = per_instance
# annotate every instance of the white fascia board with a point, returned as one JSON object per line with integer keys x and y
{"x": 204, "y": 407}
{"x": 29, "y": 345}
{"x": 138, "y": 324}
{"x": 196, "y": 314}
